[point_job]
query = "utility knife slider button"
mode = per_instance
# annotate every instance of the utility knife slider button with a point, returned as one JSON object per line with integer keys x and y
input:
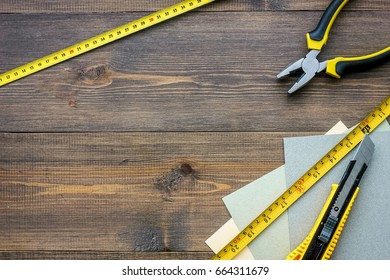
{"x": 328, "y": 229}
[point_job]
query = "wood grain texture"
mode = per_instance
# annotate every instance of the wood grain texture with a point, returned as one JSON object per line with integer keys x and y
{"x": 77, "y": 6}
{"x": 102, "y": 255}
{"x": 127, "y": 151}
{"x": 220, "y": 76}
{"x": 127, "y": 192}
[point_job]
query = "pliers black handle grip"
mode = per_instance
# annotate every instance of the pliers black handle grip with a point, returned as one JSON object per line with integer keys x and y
{"x": 317, "y": 38}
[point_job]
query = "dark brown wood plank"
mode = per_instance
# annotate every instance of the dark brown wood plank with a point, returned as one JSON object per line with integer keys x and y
{"x": 124, "y": 192}
{"x": 102, "y": 255}
{"x": 87, "y": 6}
{"x": 321, "y": 5}
{"x": 218, "y": 77}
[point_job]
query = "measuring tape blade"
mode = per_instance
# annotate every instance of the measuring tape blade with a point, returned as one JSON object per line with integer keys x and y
{"x": 100, "y": 40}
{"x": 303, "y": 184}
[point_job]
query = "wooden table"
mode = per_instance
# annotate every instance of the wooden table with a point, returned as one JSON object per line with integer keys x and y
{"x": 126, "y": 152}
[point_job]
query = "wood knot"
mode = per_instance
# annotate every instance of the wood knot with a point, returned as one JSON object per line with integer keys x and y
{"x": 96, "y": 75}
{"x": 168, "y": 182}
{"x": 186, "y": 169}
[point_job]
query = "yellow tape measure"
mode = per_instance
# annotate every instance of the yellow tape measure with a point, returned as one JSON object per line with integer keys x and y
{"x": 100, "y": 40}
{"x": 303, "y": 184}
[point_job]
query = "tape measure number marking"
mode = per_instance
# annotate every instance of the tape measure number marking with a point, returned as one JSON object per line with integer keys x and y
{"x": 100, "y": 40}
{"x": 303, "y": 184}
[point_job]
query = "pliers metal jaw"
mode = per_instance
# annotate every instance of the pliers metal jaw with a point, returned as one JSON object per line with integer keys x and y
{"x": 336, "y": 67}
{"x": 310, "y": 67}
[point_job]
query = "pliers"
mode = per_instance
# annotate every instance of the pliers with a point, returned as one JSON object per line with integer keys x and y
{"x": 336, "y": 67}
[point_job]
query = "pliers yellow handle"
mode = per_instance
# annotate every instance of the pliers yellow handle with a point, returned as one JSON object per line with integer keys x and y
{"x": 317, "y": 38}
{"x": 336, "y": 67}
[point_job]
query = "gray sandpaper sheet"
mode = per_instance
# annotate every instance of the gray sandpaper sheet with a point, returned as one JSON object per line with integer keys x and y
{"x": 367, "y": 231}
{"x": 245, "y": 205}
